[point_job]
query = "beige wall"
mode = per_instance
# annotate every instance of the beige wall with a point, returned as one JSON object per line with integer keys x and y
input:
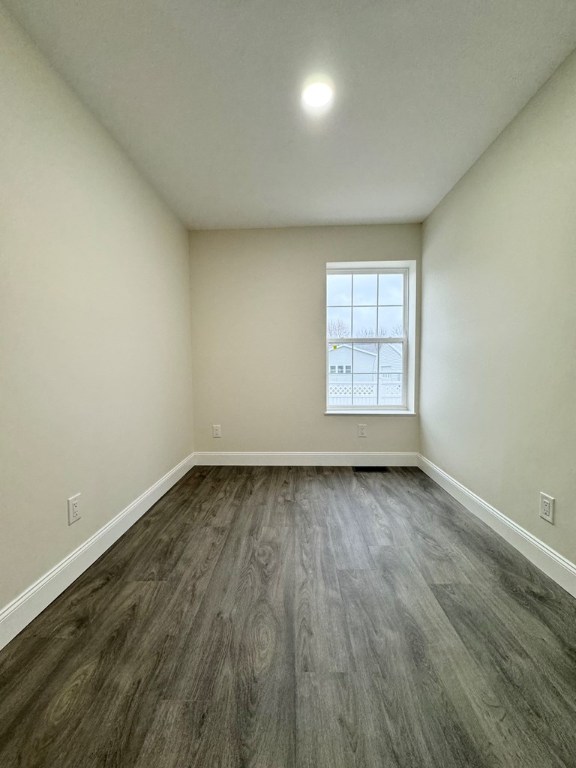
{"x": 258, "y": 300}
{"x": 94, "y": 316}
{"x": 498, "y": 376}
{"x": 95, "y": 347}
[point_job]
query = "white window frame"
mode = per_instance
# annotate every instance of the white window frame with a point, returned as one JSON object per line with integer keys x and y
{"x": 408, "y": 340}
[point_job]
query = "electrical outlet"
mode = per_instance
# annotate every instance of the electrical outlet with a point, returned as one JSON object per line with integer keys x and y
{"x": 362, "y": 430}
{"x": 547, "y": 507}
{"x": 74, "y": 509}
{"x": 216, "y": 430}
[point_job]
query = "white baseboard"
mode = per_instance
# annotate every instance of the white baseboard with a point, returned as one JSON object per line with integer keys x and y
{"x": 555, "y": 565}
{"x": 23, "y": 609}
{"x": 306, "y": 459}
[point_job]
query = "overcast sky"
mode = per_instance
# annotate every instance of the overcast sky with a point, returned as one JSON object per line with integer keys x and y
{"x": 353, "y": 304}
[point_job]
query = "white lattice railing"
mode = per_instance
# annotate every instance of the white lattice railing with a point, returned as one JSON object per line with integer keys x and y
{"x": 365, "y": 394}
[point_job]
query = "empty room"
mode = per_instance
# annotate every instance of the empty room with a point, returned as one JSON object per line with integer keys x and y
{"x": 287, "y": 384}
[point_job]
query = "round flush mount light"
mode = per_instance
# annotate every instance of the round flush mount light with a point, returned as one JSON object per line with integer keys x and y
{"x": 317, "y": 96}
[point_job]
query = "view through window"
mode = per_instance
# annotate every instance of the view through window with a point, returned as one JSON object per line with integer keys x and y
{"x": 367, "y": 337}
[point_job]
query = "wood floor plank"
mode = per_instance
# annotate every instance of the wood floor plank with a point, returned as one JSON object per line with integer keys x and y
{"x": 414, "y": 525}
{"x": 321, "y": 634}
{"x": 349, "y": 544}
{"x": 384, "y": 519}
{"x": 392, "y": 655}
{"x": 338, "y": 724}
{"x": 536, "y": 697}
{"x": 298, "y": 617}
{"x": 87, "y": 689}
{"x": 239, "y": 655}
{"x": 187, "y": 733}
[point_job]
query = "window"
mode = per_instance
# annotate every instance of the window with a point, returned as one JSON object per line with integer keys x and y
{"x": 370, "y": 332}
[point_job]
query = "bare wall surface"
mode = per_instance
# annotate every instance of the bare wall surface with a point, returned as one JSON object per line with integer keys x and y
{"x": 498, "y": 375}
{"x": 95, "y": 362}
{"x": 258, "y": 299}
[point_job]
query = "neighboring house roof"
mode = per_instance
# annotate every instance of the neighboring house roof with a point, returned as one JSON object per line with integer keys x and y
{"x": 334, "y": 347}
{"x": 390, "y": 356}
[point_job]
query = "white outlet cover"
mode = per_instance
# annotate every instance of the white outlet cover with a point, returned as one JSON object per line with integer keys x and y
{"x": 547, "y": 507}
{"x": 74, "y": 509}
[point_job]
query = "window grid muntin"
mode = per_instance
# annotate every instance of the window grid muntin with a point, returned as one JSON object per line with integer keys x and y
{"x": 403, "y": 340}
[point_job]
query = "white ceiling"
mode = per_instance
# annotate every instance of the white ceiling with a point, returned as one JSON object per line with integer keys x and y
{"x": 204, "y": 96}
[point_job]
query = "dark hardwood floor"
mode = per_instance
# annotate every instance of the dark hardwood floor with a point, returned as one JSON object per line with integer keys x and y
{"x": 298, "y": 617}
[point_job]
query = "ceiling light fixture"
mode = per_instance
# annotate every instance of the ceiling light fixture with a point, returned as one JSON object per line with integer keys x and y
{"x": 317, "y": 96}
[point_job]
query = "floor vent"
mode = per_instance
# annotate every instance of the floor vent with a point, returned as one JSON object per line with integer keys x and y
{"x": 370, "y": 469}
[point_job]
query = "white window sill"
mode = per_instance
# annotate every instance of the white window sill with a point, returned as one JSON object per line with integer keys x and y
{"x": 370, "y": 413}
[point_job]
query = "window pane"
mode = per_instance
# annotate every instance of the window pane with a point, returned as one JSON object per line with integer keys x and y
{"x": 339, "y": 384}
{"x": 390, "y": 374}
{"x": 390, "y": 321}
{"x": 365, "y": 289}
{"x": 364, "y": 322}
{"x": 365, "y": 369}
{"x": 391, "y": 289}
{"x": 339, "y": 289}
{"x": 338, "y": 322}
